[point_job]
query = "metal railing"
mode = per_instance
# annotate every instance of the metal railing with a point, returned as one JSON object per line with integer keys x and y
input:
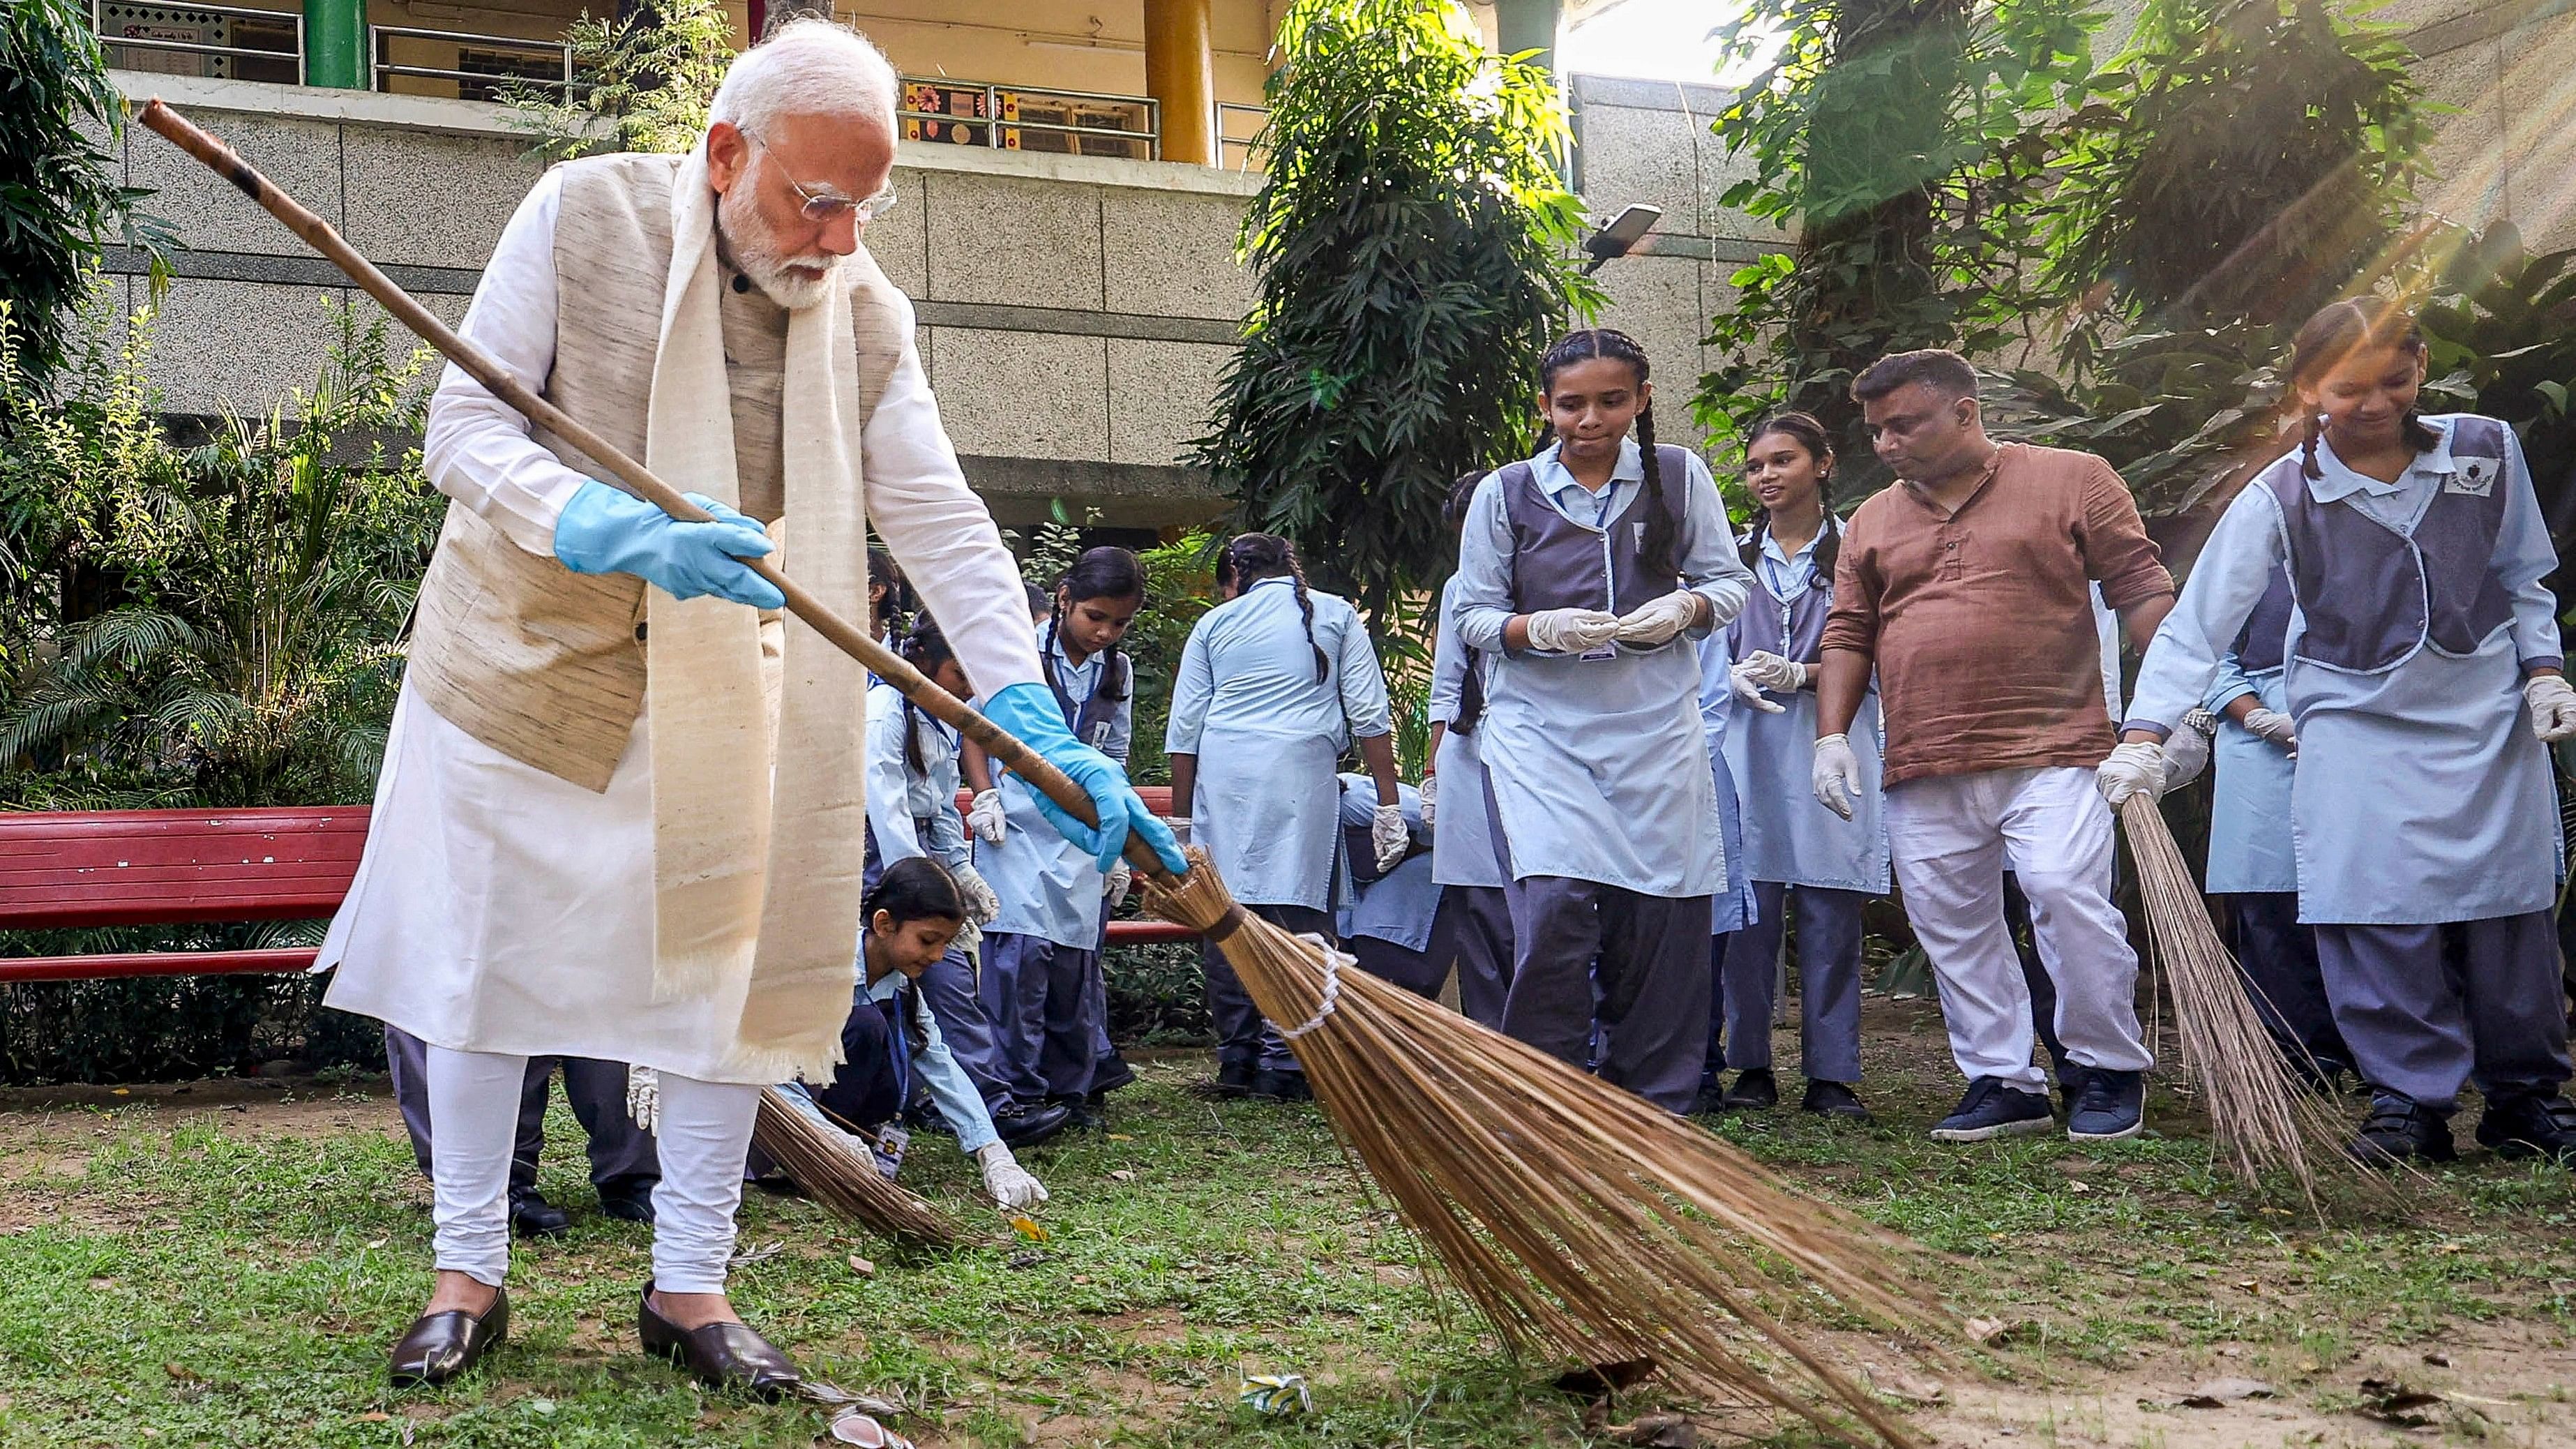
{"x": 201, "y": 40}
{"x": 1008, "y": 118}
{"x": 511, "y": 58}
{"x": 1238, "y": 126}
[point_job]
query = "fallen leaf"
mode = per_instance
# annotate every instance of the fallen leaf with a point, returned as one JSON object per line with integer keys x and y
{"x": 2392, "y": 1402}
{"x": 1996, "y": 1332}
{"x": 181, "y": 1373}
{"x": 1028, "y": 1228}
{"x": 1120, "y": 1137}
{"x": 2217, "y": 1393}
{"x": 1656, "y": 1431}
{"x": 862, "y": 1266}
{"x": 124, "y": 1092}
{"x": 1122, "y": 1175}
{"x": 2079, "y": 1185}
{"x": 2438, "y": 1360}
{"x": 2248, "y": 1285}
{"x": 374, "y": 1416}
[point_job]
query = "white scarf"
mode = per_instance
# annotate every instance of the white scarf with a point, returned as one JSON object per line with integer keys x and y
{"x": 758, "y": 814}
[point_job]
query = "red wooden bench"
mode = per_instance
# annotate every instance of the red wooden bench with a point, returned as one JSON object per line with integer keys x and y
{"x": 182, "y": 867}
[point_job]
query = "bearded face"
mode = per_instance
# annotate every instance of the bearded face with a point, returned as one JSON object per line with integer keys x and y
{"x": 793, "y": 277}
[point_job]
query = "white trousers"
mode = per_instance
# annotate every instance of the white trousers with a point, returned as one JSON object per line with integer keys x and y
{"x": 473, "y": 1120}
{"x": 1953, "y": 837}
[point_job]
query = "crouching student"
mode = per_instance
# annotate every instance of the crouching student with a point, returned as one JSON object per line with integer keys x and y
{"x": 1386, "y": 915}
{"x": 1587, "y": 574}
{"x": 909, "y": 922}
{"x": 2423, "y": 680}
{"x": 1474, "y": 926}
{"x": 1042, "y": 976}
{"x": 912, "y": 813}
{"x": 1275, "y": 682}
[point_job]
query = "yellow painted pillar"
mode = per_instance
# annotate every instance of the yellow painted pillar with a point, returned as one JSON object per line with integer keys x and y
{"x": 1180, "y": 73}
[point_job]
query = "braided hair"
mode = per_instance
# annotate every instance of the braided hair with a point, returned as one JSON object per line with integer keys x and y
{"x": 1251, "y": 557}
{"x": 1808, "y": 433}
{"x": 886, "y": 611}
{"x": 1471, "y": 693}
{"x": 1655, "y": 550}
{"x": 925, "y": 649}
{"x": 2337, "y": 331}
{"x": 914, "y": 888}
{"x": 1106, "y": 572}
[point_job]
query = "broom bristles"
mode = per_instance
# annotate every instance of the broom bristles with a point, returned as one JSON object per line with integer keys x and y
{"x": 1577, "y": 1217}
{"x": 2260, "y": 1120}
{"x": 843, "y": 1176}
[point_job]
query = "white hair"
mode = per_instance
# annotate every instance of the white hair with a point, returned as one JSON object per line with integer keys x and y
{"x": 807, "y": 67}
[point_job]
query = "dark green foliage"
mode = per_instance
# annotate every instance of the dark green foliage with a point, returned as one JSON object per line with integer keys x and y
{"x": 2502, "y": 340}
{"x": 62, "y": 189}
{"x": 1412, "y": 244}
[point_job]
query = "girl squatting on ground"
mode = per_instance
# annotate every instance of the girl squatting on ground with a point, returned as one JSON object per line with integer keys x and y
{"x": 1274, "y": 683}
{"x": 1580, "y": 570}
{"x": 2422, "y": 680}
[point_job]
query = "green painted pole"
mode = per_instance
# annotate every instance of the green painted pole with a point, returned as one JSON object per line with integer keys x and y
{"x": 1527, "y": 25}
{"x": 335, "y": 45}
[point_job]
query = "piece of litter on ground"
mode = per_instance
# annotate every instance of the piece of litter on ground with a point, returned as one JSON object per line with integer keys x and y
{"x": 1028, "y": 1228}
{"x": 862, "y": 1266}
{"x": 1995, "y": 1332}
{"x": 758, "y": 1253}
{"x": 1029, "y": 1259}
{"x": 1276, "y": 1394}
{"x": 864, "y": 1431}
{"x": 1656, "y": 1431}
{"x": 1122, "y": 1175}
{"x": 2438, "y": 1360}
{"x": 1120, "y": 1137}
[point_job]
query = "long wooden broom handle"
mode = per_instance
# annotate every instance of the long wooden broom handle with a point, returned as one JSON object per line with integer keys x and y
{"x": 630, "y": 476}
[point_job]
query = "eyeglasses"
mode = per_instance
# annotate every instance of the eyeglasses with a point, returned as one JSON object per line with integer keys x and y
{"x": 825, "y": 204}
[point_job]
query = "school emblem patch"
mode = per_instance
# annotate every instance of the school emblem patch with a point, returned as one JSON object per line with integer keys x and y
{"x": 2474, "y": 476}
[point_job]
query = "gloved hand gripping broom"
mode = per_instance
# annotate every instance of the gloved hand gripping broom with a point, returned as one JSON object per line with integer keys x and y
{"x": 1578, "y": 1218}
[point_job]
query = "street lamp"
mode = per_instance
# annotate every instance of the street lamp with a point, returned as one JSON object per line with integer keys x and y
{"x": 1623, "y": 233}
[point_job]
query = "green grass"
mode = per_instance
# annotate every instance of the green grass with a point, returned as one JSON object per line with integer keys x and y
{"x": 186, "y": 1276}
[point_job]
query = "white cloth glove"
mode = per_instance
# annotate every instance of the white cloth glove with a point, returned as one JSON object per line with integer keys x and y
{"x": 1429, "y": 793}
{"x": 644, "y": 1098}
{"x": 1837, "y": 774}
{"x": 1388, "y": 834}
{"x": 1748, "y": 691}
{"x": 1770, "y": 671}
{"x": 1571, "y": 631}
{"x": 2272, "y": 726}
{"x": 2137, "y": 768}
{"x": 1010, "y": 1184}
{"x": 1121, "y": 881}
{"x": 2553, "y": 707}
{"x": 1657, "y": 621}
{"x": 981, "y": 904}
{"x": 984, "y": 817}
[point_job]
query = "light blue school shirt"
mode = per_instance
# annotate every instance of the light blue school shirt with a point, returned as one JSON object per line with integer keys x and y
{"x": 1462, "y": 838}
{"x": 912, "y": 814}
{"x": 1050, "y": 887}
{"x": 2250, "y": 849}
{"x": 1733, "y": 908}
{"x": 950, "y": 1088}
{"x": 1269, "y": 737}
{"x": 1397, "y": 907}
{"x": 1599, "y": 766}
{"x": 2421, "y": 795}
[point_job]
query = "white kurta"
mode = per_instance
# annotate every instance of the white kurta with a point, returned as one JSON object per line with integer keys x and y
{"x": 500, "y": 909}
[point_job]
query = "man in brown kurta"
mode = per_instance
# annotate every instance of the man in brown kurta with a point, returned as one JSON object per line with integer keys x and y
{"x": 1967, "y": 587}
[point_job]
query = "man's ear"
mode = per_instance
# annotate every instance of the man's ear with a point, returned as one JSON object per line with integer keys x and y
{"x": 728, "y": 155}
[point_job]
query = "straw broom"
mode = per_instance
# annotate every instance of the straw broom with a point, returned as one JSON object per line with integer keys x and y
{"x": 826, "y": 1162}
{"x": 2259, "y": 1117}
{"x": 1579, "y": 1219}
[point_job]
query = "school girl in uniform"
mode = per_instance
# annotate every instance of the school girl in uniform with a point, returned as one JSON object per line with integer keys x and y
{"x": 910, "y": 921}
{"x": 1588, "y": 574}
{"x": 912, "y": 812}
{"x": 1386, "y": 918}
{"x": 1274, "y": 683}
{"x": 1474, "y": 925}
{"x": 2252, "y": 866}
{"x": 1799, "y": 854}
{"x": 2423, "y": 682}
{"x": 1732, "y": 909}
{"x": 1042, "y": 982}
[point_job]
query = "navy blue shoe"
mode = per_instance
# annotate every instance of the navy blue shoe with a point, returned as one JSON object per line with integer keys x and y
{"x": 2530, "y": 1125}
{"x": 2112, "y": 1105}
{"x": 1995, "y": 1108}
{"x": 2399, "y": 1132}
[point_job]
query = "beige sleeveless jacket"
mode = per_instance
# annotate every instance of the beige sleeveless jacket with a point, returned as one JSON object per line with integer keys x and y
{"x": 546, "y": 665}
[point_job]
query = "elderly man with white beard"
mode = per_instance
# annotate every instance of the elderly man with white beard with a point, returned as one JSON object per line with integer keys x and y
{"x": 564, "y": 861}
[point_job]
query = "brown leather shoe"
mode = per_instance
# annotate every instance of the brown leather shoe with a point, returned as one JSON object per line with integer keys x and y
{"x": 721, "y": 1355}
{"x": 441, "y": 1346}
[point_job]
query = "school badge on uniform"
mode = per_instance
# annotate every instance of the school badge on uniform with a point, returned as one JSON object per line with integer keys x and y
{"x": 2474, "y": 476}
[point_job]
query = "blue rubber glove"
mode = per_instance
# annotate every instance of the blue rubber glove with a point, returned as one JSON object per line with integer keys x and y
{"x": 603, "y": 531}
{"x": 1030, "y": 711}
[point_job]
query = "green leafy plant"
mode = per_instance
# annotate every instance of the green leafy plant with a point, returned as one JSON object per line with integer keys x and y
{"x": 1413, "y": 244}
{"x": 62, "y": 188}
{"x": 644, "y": 81}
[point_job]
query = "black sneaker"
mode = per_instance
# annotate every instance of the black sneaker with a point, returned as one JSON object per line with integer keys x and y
{"x": 628, "y": 1207}
{"x": 1233, "y": 1079}
{"x": 1752, "y": 1091}
{"x": 1109, "y": 1074}
{"x": 2530, "y": 1125}
{"x": 1021, "y": 1124}
{"x": 1280, "y": 1087}
{"x": 2398, "y": 1131}
{"x": 1994, "y": 1107}
{"x": 1834, "y": 1099}
{"x": 531, "y": 1216}
{"x": 2112, "y": 1105}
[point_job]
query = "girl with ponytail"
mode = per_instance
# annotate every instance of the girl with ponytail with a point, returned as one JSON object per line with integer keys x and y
{"x": 1586, "y": 576}
{"x": 2422, "y": 680}
{"x": 1474, "y": 923}
{"x": 1274, "y": 684}
{"x": 1042, "y": 981}
{"x": 1794, "y": 850}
